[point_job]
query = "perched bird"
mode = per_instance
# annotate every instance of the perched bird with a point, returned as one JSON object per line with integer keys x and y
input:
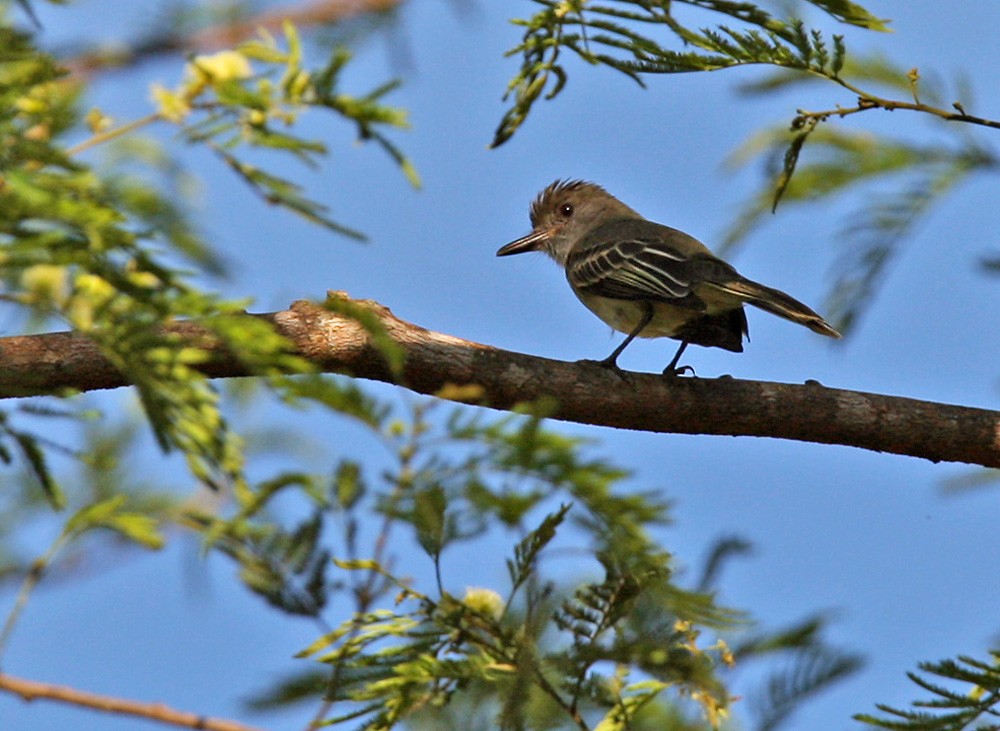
{"x": 645, "y": 279}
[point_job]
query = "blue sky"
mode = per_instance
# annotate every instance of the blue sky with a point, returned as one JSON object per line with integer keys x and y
{"x": 908, "y": 573}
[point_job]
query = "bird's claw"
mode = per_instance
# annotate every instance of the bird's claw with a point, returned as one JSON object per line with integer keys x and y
{"x": 608, "y": 364}
{"x": 670, "y": 372}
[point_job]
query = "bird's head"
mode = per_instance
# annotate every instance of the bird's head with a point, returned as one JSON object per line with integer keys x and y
{"x": 562, "y": 214}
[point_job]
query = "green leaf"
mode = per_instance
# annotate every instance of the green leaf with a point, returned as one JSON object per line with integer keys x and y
{"x": 790, "y": 161}
{"x": 108, "y": 514}
{"x": 526, "y": 552}
{"x": 622, "y": 715}
{"x": 348, "y": 484}
{"x": 392, "y": 351}
{"x": 429, "y": 506}
{"x": 976, "y": 702}
{"x": 294, "y": 687}
{"x": 341, "y": 395}
{"x": 141, "y": 529}
{"x": 93, "y": 515}
{"x": 282, "y": 192}
{"x": 810, "y": 673}
{"x": 852, "y": 13}
{"x": 37, "y": 463}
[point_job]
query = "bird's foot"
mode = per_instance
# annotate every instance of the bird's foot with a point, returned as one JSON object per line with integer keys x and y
{"x": 608, "y": 364}
{"x": 675, "y": 371}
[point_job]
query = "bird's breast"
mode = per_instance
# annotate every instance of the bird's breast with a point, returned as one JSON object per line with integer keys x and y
{"x": 625, "y": 315}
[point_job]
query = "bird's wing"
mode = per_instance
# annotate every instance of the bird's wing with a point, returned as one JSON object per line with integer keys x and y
{"x": 639, "y": 260}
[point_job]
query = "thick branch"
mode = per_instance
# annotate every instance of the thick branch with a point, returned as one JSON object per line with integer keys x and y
{"x": 31, "y": 690}
{"x": 436, "y": 364}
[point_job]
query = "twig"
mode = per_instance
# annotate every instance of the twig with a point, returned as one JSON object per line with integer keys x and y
{"x": 31, "y": 690}
{"x": 38, "y": 568}
{"x": 113, "y": 133}
{"x": 867, "y": 101}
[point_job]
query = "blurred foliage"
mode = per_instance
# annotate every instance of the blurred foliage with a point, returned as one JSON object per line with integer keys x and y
{"x": 809, "y": 667}
{"x": 87, "y": 247}
{"x": 973, "y": 480}
{"x": 224, "y": 103}
{"x": 593, "y": 626}
{"x": 975, "y": 704}
{"x": 625, "y": 645}
{"x": 897, "y": 183}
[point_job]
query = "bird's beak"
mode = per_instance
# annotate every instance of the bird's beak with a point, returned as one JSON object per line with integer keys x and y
{"x": 532, "y": 242}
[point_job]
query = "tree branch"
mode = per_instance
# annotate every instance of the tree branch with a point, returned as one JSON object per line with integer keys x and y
{"x": 31, "y": 690}
{"x": 461, "y": 370}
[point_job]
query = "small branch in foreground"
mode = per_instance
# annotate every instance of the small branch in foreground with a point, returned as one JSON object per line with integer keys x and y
{"x": 31, "y": 690}
{"x": 867, "y": 101}
{"x": 460, "y": 370}
{"x": 864, "y": 104}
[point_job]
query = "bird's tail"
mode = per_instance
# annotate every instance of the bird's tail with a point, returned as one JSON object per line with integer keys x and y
{"x": 777, "y": 303}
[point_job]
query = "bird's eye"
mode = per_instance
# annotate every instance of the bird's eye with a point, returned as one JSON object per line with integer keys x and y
{"x": 566, "y": 209}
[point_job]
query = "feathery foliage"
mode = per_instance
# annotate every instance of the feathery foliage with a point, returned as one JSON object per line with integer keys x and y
{"x": 619, "y": 34}
{"x": 592, "y": 625}
{"x": 919, "y": 176}
{"x": 811, "y": 671}
{"x": 975, "y": 706}
{"x": 541, "y": 645}
{"x": 87, "y": 247}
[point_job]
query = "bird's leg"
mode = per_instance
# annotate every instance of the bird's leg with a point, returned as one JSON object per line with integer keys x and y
{"x": 612, "y": 360}
{"x": 672, "y": 369}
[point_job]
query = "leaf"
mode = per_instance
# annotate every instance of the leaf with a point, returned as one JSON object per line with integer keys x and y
{"x": 392, "y": 351}
{"x": 842, "y": 161}
{"x": 138, "y": 528}
{"x": 721, "y": 551}
{"x": 952, "y": 710}
{"x": 878, "y": 231}
{"x": 341, "y": 395}
{"x": 348, "y": 484}
{"x": 791, "y": 160}
{"x": 37, "y": 463}
{"x": 622, "y": 716}
{"x": 429, "y": 506}
{"x": 852, "y": 13}
{"x": 282, "y": 192}
{"x": 293, "y": 687}
{"x": 809, "y": 674}
{"x": 285, "y": 567}
{"x": 527, "y": 551}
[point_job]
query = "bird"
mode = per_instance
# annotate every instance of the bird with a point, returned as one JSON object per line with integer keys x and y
{"x": 645, "y": 279}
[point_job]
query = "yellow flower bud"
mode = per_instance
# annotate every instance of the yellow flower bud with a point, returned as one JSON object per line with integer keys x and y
{"x": 170, "y": 105}
{"x": 484, "y": 601}
{"x": 221, "y": 66}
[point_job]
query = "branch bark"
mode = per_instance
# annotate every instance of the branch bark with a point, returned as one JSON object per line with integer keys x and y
{"x": 461, "y": 370}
